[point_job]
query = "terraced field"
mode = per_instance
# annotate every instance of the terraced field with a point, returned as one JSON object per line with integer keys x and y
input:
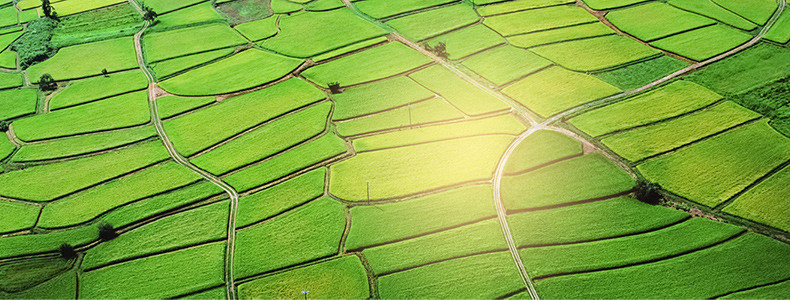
{"x": 420, "y": 149}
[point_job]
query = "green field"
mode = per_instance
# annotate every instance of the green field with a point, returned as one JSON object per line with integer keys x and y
{"x": 369, "y": 98}
{"x": 70, "y": 62}
{"x": 83, "y": 144}
{"x": 538, "y": 19}
{"x": 754, "y": 67}
{"x": 638, "y": 75}
{"x": 431, "y": 23}
{"x": 710, "y": 9}
{"x": 383, "y": 8}
{"x": 259, "y": 29}
{"x": 505, "y": 64}
{"x": 655, "y": 20}
{"x": 170, "y": 106}
{"x": 167, "y": 68}
{"x": 595, "y": 53}
{"x": 707, "y": 42}
{"x": 461, "y": 94}
{"x": 763, "y": 202}
{"x": 502, "y": 7}
{"x": 280, "y": 198}
{"x": 780, "y": 32}
{"x": 467, "y": 41}
{"x": 757, "y": 11}
{"x": 17, "y": 103}
{"x": 174, "y": 43}
{"x": 95, "y": 88}
{"x": 541, "y": 148}
{"x": 428, "y": 111}
{"x": 561, "y": 34}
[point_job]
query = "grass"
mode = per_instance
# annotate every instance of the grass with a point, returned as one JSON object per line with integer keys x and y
{"x": 538, "y": 19}
{"x": 47, "y": 242}
{"x": 418, "y": 216}
{"x": 215, "y": 293}
{"x": 640, "y": 74}
{"x": 173, "y": 105}
{"x": 299, "y": 37}
{"x": 195, "y": 226}
{"x": 432, "y": 110}
{"x": 100, "y": 87}
{"x": 596, "y": 53}
{"x": 161, "y": 276}
{"x": 10, "y": 80}
{"x": 259, "y": 29}
{"x": 152, "y": 206}
{"x": 619, "y": 252}
{"x": 63, "y": 286}
{"x": 754, "y": 67}
{"x": 167, "y": 68}
{"x": 382, "y": 8}
{"x": 461, "y": 241}
{"x": 17, "y": 216}
{"x": 236, "y": 74}
{"x": 460, "y": 93}
{"x": 70, "y": 62}
{"x": 95, "y": 25}
{"x": 312, "y": 153}
{"x": 344, "y": 277}
{"x": 65, "y": 8}
{"x": 164, "y": 6}
{"x": 23, "y": 274}
{"x": 576, "y": 179}
{"x": 72, "y": 175}
{"x": 542, "y": 147}
{"x": 83, "y": 144}
{"x": 560, "y": 34}
{"x": 266, "y": 141}
{"x": 178, "y": 42}
{"x": 350, "y": 48}
{"x": 8, "y": 38}
{"x": 712, "y": 171}
{"x": 710, "y": 9}
{"x": 505, "y": 124}
{"x": 8, "y": 59}
{"x": 377, "y": 96}
{"x": 763, "y": 202}
{"x": 467, "y": 41}
{"x": 431, "y": 23}
{"x": 279, "y": 198}
{"x": 201, "y": 13}
{"x": 17, "y": 103}
{"x": 757, "y": 11}
{"x": 413, "y": 169}
{"x": 518, "y": 5}
{"x": 87, "y": 205}
{"x": 555, "y": 89}
{"x": 655, "y": 20}
{"x": 776, "y": 290}
{"x": 369, "y": 65}
{"x": 703, "y": 43}
{"x": 113, "y": 113}
{"x": 505, "y": 64}
{"x": 584, "y": 222}
{"x": 284, "y": 7}
{"x": 323, "y": 5}
{"x": 310, "y": 232}
{"x": 642, "y": 142}
{"x": 608, "y": 4}
{"x": 201, "y": 129}
{"x": 744, "y": 262}
{"x": 455, "y": 279}
{"x": 780, "y": 32}
{"x": 771, "y": 101}
{"x": 6, "y": 148}
{"x": 674, "y": 99}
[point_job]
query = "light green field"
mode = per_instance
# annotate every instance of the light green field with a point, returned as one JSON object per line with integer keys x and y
{"x": 70, "y": 62}
{"x": 538, "y": 19}
{"x": 169, "y": 44}
{"x": 65, "y": 8}
{"x": 676, "y": 98}
{"x": 72, "y": 175}
{"x": 541, "y": 147}
{"x": 161, "y": 276}
{"x": 765, "y": 202}
{"x": 343, "y": 277}
{"x": 714, "y": 170}
{"x": 8, "y": 59}
{"x": 310, "y": 232}
{"x": 237, "y": 74}
{"x": 467, "y": 41}
{"x": 173, "y": 105}
{"x": 258, "y": 29}
{"x": 369, "y": 65}
{"x": 377, "y": 96}
{"x": 201, "y": 129}
{"x": 518, "y": 5}
{"x": 94, "y": 88}
{"x": 608, "y": 4}
{"x": 560, "y": 34}
{"x": 505, "y": 64}
{"x": 384, "y": 8}
{"x": 710, "y": 9}
{"x": 655, "y": 20}
{"x": 170, "y": 67}
{"x": 703, "y": 43}
{"x": 415, "y": 217}
{"x": 460, "y": 93}
{"x": 596, "y": 53}
{"x": 638, "y": 75}
{"x": 780, "y": 32}
{"x": 64, "y": 286}
{"x": 408, "y": 170}
{"x": 284, "y": 6}
{"x": 754, "y": 67}
{"x": 10, "y": 80}
{"x": 777, "y": 290}
{"x": 350, "y": 48}
{"x": 757, "y": 11}
{"x": 555, "y": 89}
{"x": 505, "y": 124}
{"x": 164, "y": 6}
{"x": 117, "y": 112}
{"x": 431, "y": 110}
{"x": 299, "y": 37}
{"x": 323, "y": 5}
{"x": 200, "y": 13}
{"x": 6, "y": 147}
{"x": 431, "y": 23}
{"x": 279, "y": 198}
{"x": 268, "y": 140}
{"x": 82, "y": 144}
{"x": 15, "y": 216}
{"x": 49, "y": 242}
{"x": 17, "y": 103}
{"x": 642, "y": 142}
{"x": 87, "y": 205}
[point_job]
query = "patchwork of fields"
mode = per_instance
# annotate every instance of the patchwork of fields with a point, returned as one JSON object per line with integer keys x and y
{"x": 239, "y": 149}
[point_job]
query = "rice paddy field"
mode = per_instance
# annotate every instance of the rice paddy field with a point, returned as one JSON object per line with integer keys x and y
{"x": 394, "y": 149}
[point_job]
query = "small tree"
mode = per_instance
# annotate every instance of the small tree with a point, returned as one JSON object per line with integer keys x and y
{"x": 3, "y": 126}
{"x": 49, "y": 11}
{"x": 105, "y": 73}
{"x": 648, "y": 192}
{"x": 334, "y": 88}
{"x": 148, "y": 13}
{"x": 441, "y": 50}
{"x": 47, "y": 83}
{"x": 107, "y": 232}
{"x": 67, "y": 251}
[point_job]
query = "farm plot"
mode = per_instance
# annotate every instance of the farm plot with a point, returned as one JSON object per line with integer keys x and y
{"x": 655, "y": 20}
{"x": 596, "y": 53}
{"x": 323, "y": 5}
{"x": 113, "y": 113}
{"x": 712, "y": 10}
{"x": 407, "y": 170}
{"x": 638, "y": 75}
{"x": 95, "y": 88}
{"x": 712, "y": 171}
{"x": 170, "y": 106}
{"x": 71, "y": 63}
{"x": 378, "y": 96}
{"x": 505, "y": 64}
{"x": 780, "y": 32}
{"x": 575, "y": 32}
{"x": 555, "y": 89}
{"x": 609, "y": 4}
{"x": 350, "y": 48}
{"x": 431, "y": 23}
{"x": 343, "y": 277}
{"x": 64, "y": 286}
{"x": 776, "y": 290}
{"x": 382, "y": 8}
{"x": 167, "y": 68}
{"x": 765, "y": 202}
{"x": 179, "y": 42}
{"x": 236, "y": 74}
{"x": 165, "y": 6}
{"x": 503, "y": 7}
{"x": 771, "y": 101}
{"x": 429, "y": 111}
{"x": 17, "y": 103}
{"x": 6, "y": 148}
{"x": 17, "y": 216}
{"x": 757, "y": 11}
{"x": 542, "y": 148}
{"x": 82, "y": 144}
{"x": 26, "y": 244}
{"x": 259, "y": 29}
{"x": 754, "y": 67}
{"x": 11, "y": 80}
{"x": 369, "y": 65}
{"x": 280, "y": 198}
{"x": 703, "y": 43}
{"x": 299, "y": 37}
{"x": 458, "y": 92}
{"x": 200, "y": 13}
{"x": 65, "y": 8}
{"x": 538, "y": 19}
{"x": 467, "y": 41}
{"x": 305, "y": 234}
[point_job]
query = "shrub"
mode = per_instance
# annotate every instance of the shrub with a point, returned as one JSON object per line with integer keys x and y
{"x": 648, "y": 192}
{"x": 35, "y": 45}
{"x": 3, "y": 126}
{"x": 334, "y": 88}
{"x": 67, "y": 251}
{"x": 47, "y": 83}
{"x": 107, "y": 232}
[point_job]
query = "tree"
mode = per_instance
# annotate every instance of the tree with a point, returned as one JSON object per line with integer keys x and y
{"x": 107, "y": 232}
{"x": 648, "y": 192}
{"x": 67, "y": 251}
{"x": 49, "y": 12}
{"x": 334, "y": 88}
{"x": 3, "y": 126}
{"x": 148, "y": 13}
{"x": 105, "y": 73}
{"x": 47, "y": 83}
{"x": 439, "y": 50}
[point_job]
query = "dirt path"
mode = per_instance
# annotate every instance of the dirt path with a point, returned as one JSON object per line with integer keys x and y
{"x": 153, "y": 93}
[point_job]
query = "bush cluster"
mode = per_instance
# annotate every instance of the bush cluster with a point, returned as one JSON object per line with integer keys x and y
{"x": 35, "y": 44}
